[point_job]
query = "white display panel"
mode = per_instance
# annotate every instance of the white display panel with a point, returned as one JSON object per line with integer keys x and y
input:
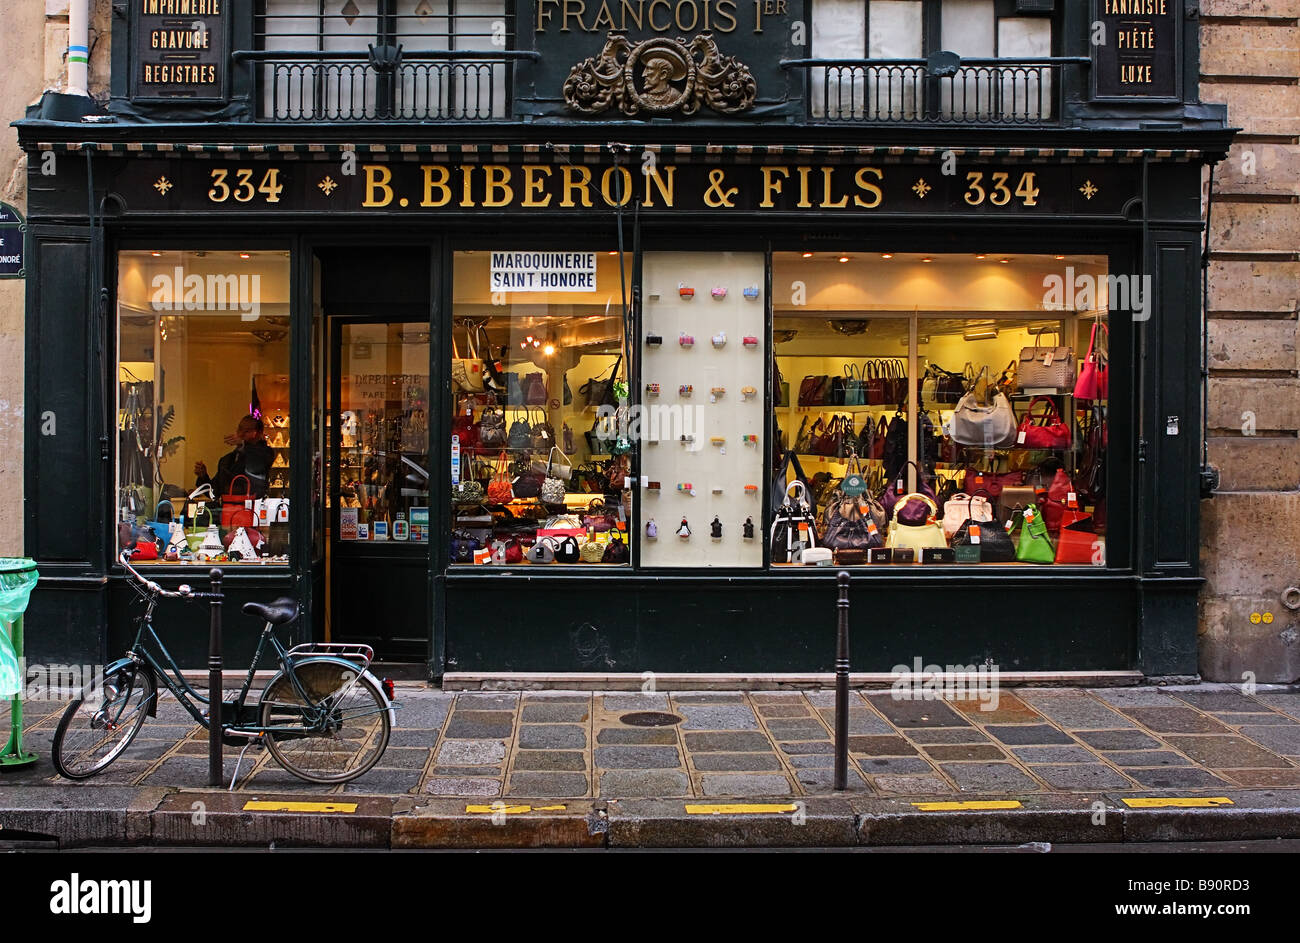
{"x": 719, "y": 471}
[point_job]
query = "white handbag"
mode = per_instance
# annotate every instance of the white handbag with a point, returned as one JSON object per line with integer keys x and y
{"x": 240, "y": 544}
{"x": 962, "y": 507}
{"x": 211, "y": 546}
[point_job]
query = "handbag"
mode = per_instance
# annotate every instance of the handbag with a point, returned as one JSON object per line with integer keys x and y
{"x": 879, "y": 436}
{"x": 492, "y": 429}
{"x": 835, "y": 392}
{"x": 894, "y": 454}
{"x": 615, "y": 550}
{"x": 465, "y": 430}
{"x": 962, "y": 508}
{"x": 1033, "y": 545}
{"x": 161, "y": 524}
{"x": 803, "y": 441}
{"x": 542, "y": 551}
{"x": 852, "y": 521}
{"x": 990, "y": 482}
{"x": 896, "y": 382}
{"x": 855, "y": 391}
{"x": 552, "y": 491}
{"x": 534, "y": 389}
{"x": 566, "y": 551}
{"x": 1050, "y": 368}
{"x": 467, "y": 491}
{"x": 592, "y": 551}
{"x": 236, "y": 500}
{"x": 916, "y": 537}
{"x": 600, "y": 391}
{"x": 873, "y": 384}
{"x": 1078, "y": 543}
{"x": 989, "y": 540}
{"x": 779, "y": 486}
{"x": 550, "y": 468}
{"x": 463, "y": 546}
{"x": 1091, "y": 479}
{"x": 794, "y": 527}
{"x": 528, "y": 484}
{"x": 499, "y": 490}
{"x": 889, "y": 500}
{"x": 1045, "y": 431}
{"x": 198, "y": 532}
{"x": 598, "y": 517}
{"x": 991, "y": 426}
{"x": 813, "y": 390}
{"x": 466, "y": 372}
{"x": 1094, "y": 378}
{"x": 521, "y": 434}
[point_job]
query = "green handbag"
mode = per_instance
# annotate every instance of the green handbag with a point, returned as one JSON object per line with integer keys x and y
{"x": 1034, "y": 546}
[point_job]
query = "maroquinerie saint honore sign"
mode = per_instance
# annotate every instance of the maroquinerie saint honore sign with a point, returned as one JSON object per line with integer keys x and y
{"x": 412, "y": 189}
{"x": 181, "y": 49}
{"x": 1135, "y": 49}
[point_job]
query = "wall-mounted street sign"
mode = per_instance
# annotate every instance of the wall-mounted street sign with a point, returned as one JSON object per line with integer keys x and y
{"x": 180, "y": 49}
{"x": 13, "y": 236}
{"x": 1136, "y": 50}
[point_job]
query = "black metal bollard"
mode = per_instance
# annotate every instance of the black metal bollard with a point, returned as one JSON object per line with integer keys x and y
{"x": 842, "y": 684}
{"x": 215, "y": 776}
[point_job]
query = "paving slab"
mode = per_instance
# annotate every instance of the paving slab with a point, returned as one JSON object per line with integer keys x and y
{"x": 1077, "y": 711}
{"x": 1216, "y": 701}
{"x": 626, "y": 703}
{"x": 718, "y": 717}
{"x": 744, "y": 784}
{"x": 549, "y": 761}
{"x": 1263, "y": 777}
{"x": 861, "y": 721}
{"x": 637, "y": 757}
{"x": 547, "y": 785}
{"x": 1006, "y": 709}
{"x": 645, "y": 735}
{"x": 735, "y": 762}
{"x": 737, "y": 742}
{"x": 783, "y": 710}
{"x": 964, "y": 751}
{"x": 462, "y": 786}
{"x": 912, "y": 785}
{"x": 555, "y": 712}
{"x": 552, "y": 737}
{"x": 1175, "y": 720}
{"x": 947, "y": 735}
{"x": 989, "y": 777}
{"x": 1186, "y": 777}
{"x": 1029, "y": 734}
{"x": 1053, "y": 755}
{"x": 810, "y": 729}
{"x": 1126, "y": 758}
{"x": 1118, "y": 739}
{"x": 881, "y": 746}
{"x": 1134, "y": 697}
{"x": 380, "y": 780}
{"x": 822, "y": 780}
{"x": 1227, "y": 752}
{"x": 917, "y": 713}
{"x": 1081, "y": 777}
{"x": 898, "y": 765}
{"x": 480, "y": 724}
{"x": 1279, "y": 739}
{"x": 1237, "y": 719}
{"x": 1288, "y": 702}
{"x": 471, "y": 752}
{"x": 642, "y": 783}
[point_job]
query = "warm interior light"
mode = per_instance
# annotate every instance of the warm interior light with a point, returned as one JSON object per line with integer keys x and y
{"x": 1059, "y": 257}
{"x": 156, "y": 255}
{"x": 886, "y": 255}
{"x": 807, "y": 255}
{"x": 244, "y": 255}
{"x": 981, "y": 257}
{"x": 981, "y": 334}
{"x": 549, "y": 350}
{"x": 927, "y": 260}
{"x": 844, "y": 258}
{"x": 1005, "y": 261}
{"x": 613, "y": 252}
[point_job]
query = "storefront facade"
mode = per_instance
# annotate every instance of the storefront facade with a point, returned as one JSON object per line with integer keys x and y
{"x": 400, "y": 274}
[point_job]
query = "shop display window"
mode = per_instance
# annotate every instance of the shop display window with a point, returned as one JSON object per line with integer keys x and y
{"x": 204, "y": 432}
{"x": 541, "y": 450}
{"x": 939, "y": 409}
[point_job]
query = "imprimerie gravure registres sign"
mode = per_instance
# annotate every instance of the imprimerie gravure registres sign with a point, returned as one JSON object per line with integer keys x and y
{"x": 1135, "y": 49}
{"x": 543, "y": 271}
{"x": 181, "y": 49}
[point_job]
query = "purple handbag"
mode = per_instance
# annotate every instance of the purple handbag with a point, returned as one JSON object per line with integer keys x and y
{"x": 899, "y": 482}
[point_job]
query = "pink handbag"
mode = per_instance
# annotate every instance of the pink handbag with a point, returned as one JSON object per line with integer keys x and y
{"x": 1094, "y": 378}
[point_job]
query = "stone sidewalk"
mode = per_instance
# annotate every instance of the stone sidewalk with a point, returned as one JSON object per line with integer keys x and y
{"x": 623, "y": 746}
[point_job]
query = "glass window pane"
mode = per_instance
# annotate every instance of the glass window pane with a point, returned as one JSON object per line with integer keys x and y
{"x": 948, "y": 382}
{"x": 895, "y": 29}
{"x": 383, "y": 435}
{"x": 203, "y": 405}
{"x": 541, "y": 450}
{"x": 967, "y": 28}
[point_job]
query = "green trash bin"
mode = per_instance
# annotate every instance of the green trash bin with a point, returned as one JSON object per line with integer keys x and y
{"x": 17, "y": 577}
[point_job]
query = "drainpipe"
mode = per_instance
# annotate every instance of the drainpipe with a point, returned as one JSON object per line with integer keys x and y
{"x": 79, "y": 47}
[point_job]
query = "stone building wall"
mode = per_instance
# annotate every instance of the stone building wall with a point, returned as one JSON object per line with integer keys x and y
{"x": 1250, "y": 553}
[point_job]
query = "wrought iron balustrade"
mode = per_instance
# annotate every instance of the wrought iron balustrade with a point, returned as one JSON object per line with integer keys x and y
{"x": 385, "y": 83}
{"x": 944, "y": 90}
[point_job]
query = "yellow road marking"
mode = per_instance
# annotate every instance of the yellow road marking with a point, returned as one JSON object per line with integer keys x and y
{"x": 512, "y": 809}
{"x": 967, "y": 805}
{"x": 741, "y": 808}
{"x": 262, "y": 805}
{"x": 1178, "y": 802}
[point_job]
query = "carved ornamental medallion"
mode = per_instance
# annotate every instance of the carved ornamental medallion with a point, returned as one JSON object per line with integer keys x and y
{"x": 659, "y": 77}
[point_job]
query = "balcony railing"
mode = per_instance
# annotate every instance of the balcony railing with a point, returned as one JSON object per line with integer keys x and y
{"x": 941, "y": 90}
{"x": 385, "y": 83}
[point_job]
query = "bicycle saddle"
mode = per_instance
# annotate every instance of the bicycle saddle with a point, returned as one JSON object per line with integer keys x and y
{"x": 278, "y": 612}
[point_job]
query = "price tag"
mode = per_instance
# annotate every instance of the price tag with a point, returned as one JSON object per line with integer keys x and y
{"x": 1047, "y": 359}
{"x": 1020, "y": 439}
{"x": 974, "y": 533}
{"x": 1072, "y": 499}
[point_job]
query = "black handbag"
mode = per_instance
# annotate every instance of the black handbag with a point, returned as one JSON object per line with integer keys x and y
{"x": 994, "y": 545}
{"x": 521, "y": 434}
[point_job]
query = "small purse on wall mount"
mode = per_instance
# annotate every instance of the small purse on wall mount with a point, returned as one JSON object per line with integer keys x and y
{"x": 1045, "y": 430}
{"x": 1094, "y": 378}
{"x": 1046, "y": 368}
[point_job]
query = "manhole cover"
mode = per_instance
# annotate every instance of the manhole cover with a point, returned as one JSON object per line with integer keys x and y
{"x": 650, "y": 719}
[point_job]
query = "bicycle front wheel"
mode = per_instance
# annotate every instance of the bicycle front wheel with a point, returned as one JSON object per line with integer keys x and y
{"x": 334, "y": 735}
{"x": 101, "y": 723}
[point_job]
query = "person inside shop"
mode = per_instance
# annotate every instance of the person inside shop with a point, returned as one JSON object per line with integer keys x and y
{"x": 251, "y": 456}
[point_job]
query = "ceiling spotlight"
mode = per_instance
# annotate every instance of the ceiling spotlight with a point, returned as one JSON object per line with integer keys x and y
{"x": 613, "y": 252}
{"x": 844, "y": 258}
{"x": 807, "y": 255}
{"x": 1059, "y": 257}
{"x": 549, "y": 350}
{"x": 244, "y": 255}
{"x": 981, "y": 257}
{"x": 1005, "y": 261}
{"x": 927, "y": 260}
{"x": 886, "y": 255}
{"x": 156, "y": 255}
{"x": 981, "y": 334}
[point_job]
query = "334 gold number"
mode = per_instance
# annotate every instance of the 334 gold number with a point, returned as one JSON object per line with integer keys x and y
{"x": 243, "y": 189}
{"x": 1001, "y": 195}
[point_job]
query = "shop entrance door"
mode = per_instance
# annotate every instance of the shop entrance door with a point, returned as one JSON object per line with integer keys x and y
{"x": 378, "y": 486}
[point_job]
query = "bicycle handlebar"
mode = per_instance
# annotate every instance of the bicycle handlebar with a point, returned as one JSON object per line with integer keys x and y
{"x": 181, "y": 592}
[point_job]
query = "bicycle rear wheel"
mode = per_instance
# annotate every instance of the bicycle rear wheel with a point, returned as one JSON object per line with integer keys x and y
{"x": 353, "y": 727}
{"x": 101, "y": 723}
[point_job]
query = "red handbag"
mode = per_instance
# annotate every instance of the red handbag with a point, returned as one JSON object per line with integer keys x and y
{"x": 1077, "y": 541}
{"x": 1056, "y": 504}
{"x": 991, "y": 482}
{"x": 236, "y": 501}
{"x": 1045, "y": 431}
{"x": 1094, "y": 378}
{"x": 499, "y": 489}
{"x": 878, "y": 441}
{"x": 464, "y": 427}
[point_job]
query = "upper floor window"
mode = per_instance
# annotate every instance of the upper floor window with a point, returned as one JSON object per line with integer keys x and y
{"x": 894, "y": 30}
{"x": 375, "y": 59}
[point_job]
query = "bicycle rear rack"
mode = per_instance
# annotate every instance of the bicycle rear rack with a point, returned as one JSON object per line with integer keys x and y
{"x": 356, "y": 652}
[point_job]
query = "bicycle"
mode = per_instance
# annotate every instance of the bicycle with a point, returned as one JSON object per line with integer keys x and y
{"x": 324, "y": 717}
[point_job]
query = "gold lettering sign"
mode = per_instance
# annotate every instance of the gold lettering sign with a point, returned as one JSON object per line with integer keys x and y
{"x": 181, "y": 49}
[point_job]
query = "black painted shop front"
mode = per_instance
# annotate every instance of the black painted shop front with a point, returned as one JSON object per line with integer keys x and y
{"x": 353, "y": 263}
